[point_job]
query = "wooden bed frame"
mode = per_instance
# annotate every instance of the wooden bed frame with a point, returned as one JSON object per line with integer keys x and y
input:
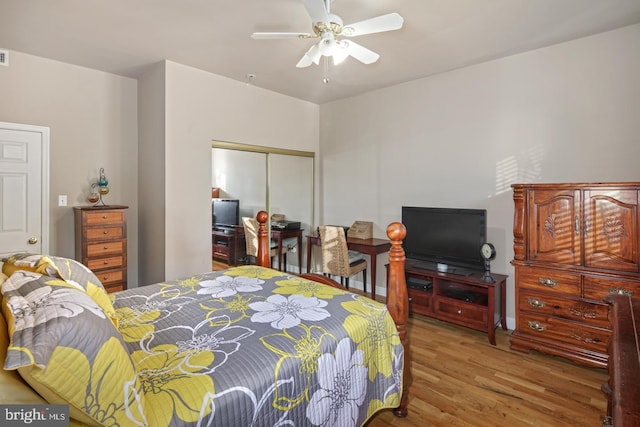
{"x": 397, "y": 297}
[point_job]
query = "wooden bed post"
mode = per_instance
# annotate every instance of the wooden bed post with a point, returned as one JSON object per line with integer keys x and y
{"x": 264, "y": 248}
{"x": 398, "y": 305}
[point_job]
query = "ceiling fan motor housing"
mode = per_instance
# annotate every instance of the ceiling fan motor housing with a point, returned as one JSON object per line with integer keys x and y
{"x": 333, "y": 25}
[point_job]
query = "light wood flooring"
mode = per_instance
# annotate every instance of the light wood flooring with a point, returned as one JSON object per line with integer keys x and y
{"x": 459, "y": 379}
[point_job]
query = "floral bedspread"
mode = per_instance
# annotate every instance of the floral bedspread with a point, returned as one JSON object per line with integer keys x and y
{"x": 251, "y": 346}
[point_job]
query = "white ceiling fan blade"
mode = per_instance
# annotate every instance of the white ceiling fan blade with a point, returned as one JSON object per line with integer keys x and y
{"x": 267, "y": 36}
{"x": 317, "y": 10}
{"x": 388, "y": 22}
{"x": 312, "y": 56}
{"x": 361, "y": 53}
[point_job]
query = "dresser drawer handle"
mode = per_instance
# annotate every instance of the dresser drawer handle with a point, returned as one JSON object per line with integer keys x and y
{"x": 547, "y": 281}
{"x": 459, "y": 311}
{"x": 535, "y": 303}
{"x": 536, "y": 326}
{"x": 104, "y": 217}
{"x": 620, "y": 291}
{"x": 105, "y": 232}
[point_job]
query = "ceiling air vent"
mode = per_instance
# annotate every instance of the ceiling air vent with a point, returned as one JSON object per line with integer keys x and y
{"x": 4, "y": 57}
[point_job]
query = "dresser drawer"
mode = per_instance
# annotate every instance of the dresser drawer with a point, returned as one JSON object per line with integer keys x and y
{"x": 471, "y": 315}
{"x": 104, "y": 233}
{"x": 419, "y": 302}
{"x": 111, "y": 276}
{"x": 105, "y": 263}
{"x": 107, "y": 217}
{"x": 105, "y": 248}
{"x": 548, "y": 280}
{"x": 220, "y": 251}
{"x": 116, "y": 287}
{"x": 566, "y": 331}
{"x": 549, "y": 304}
{"x": 597, "y": 287}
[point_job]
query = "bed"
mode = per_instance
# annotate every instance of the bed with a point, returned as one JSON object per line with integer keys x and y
{"x": 247, "y": 346}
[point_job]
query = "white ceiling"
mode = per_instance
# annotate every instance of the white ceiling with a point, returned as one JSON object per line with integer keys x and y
{"x": 123, "y": 36}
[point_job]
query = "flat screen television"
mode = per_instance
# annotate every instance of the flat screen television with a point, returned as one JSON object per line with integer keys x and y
{"x": 448, "y": 236}
{"x": 225, "y": 212}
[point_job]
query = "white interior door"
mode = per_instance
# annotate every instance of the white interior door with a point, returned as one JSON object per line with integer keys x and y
{"x": 24, "y": 188}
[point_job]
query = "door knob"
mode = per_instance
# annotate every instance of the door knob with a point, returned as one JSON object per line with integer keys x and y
{"x": 33, "y": 240}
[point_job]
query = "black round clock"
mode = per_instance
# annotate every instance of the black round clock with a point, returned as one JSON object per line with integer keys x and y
{"x": 488, "y": 252}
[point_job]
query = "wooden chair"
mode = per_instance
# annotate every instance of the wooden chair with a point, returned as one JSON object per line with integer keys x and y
{"x": 251, "y": 239}
{"x": 337, "y": 259}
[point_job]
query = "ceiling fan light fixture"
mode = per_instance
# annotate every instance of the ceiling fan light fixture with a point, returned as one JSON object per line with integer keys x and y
{"x": 327, "y": 45}
{"x": 312, "y": 56}
{"x": 341, "y": 52}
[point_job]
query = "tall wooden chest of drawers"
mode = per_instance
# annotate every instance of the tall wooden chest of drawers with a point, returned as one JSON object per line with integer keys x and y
{"x": 101, "y": 243}
{"x": 573, "y": 245}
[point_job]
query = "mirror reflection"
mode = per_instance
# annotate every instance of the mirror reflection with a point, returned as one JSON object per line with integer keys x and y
{"x": 264, "y": 178}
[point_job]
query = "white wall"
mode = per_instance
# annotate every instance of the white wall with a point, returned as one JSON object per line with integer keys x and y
{"x": 151, "y": 173}
{"x": 566, "y": 113}
{"x": 93, "y": 121}
{"x": 201, "y": 107}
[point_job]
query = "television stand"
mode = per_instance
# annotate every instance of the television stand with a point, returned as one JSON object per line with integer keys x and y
{"x": 461, "y": 299}
{"x": 228, "y": 244}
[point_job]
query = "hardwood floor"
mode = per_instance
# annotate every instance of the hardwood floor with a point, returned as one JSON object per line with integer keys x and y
{"x": 459, "y": 379}
{"x": 217, "y": 265}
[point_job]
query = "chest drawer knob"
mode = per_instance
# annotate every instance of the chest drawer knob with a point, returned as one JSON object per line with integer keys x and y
{"x": 548, "y": 281}
{"x": 459, "y": 311}
{"x": 533, "y": 302}
{"x": 620, "y": 291}
{"x": 536, "y": 326}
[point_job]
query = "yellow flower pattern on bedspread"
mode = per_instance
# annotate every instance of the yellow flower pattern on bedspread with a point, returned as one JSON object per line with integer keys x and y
{"x": 248, "y": 346}
{"x": 252, "y": 346}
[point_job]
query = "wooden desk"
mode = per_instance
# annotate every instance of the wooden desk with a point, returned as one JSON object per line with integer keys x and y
{"x": 371, "y": 247}
{"x": 279, "y": 235}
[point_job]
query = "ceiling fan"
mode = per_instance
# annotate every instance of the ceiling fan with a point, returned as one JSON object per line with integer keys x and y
{"x": 328, "y": 27}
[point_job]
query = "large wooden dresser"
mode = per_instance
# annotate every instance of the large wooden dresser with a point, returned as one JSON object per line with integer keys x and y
{"x": 573, "y": 245}
{"x": 101, "y": 243}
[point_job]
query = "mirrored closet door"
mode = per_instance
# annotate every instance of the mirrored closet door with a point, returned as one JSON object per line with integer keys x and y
{"x": 279, "y": 181}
